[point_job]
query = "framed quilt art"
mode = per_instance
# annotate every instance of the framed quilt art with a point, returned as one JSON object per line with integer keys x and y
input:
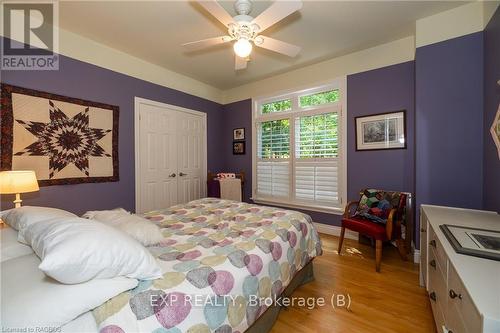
{"x": 64, "y": 140}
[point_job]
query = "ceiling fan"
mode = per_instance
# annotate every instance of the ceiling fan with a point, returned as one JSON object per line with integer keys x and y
{"x": 245, "y": 30}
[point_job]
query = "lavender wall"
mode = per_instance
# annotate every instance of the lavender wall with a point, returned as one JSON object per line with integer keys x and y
{"x": 237, "y": 115}
{"x": 449, "y": 122}
{"x": 491, "y": 104}
{"x": 86, "y": 81}
{"x": 381, "y": 90}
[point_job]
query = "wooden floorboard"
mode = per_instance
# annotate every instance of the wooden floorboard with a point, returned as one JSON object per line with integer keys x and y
{"x": 389, "y": 301}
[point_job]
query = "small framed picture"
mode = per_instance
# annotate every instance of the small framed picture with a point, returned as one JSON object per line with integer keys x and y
{"x": 239, "y": 134}
{"x": 381, "y": 131}
{"x": 239, "y": 148}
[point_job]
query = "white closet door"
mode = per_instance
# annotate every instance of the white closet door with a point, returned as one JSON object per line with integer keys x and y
{"x": 190, "y": 157}
{"x": 171, "y": 164}
{"x": 158, "y": 159}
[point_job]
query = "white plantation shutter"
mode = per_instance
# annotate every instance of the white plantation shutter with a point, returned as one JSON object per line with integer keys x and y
{"x": 273, "y": 178}
{"x": 316, "y": 136}
{"x": 298, "y": 158}
{"x": 317, "y": 182}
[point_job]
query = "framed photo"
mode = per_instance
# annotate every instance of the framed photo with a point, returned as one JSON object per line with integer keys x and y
{"x": 495, "y": 130}
{"x": 239, "y": 148}
{"x": 239, "y": 134}
{"x": 475, "y": 242}
{"x": 381, "y": 131}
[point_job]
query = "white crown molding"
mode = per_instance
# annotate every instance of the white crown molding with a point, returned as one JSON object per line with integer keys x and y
{"x": 456, "y": 22}
{"x": 463, "y": 20}
{"x": 84, "y": 49}
{"x": 391, "y": 53}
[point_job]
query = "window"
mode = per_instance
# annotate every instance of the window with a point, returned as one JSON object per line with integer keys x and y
{"x": 299, "y": 140}
{"x": 276, "y": 106}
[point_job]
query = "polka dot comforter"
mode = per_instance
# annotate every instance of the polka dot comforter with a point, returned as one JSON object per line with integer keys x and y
{"x": 224, "y": 262}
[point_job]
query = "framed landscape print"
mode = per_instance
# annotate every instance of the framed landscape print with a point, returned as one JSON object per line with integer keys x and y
{"x": 239, "y": 134}
{"x": 381, "y": 131}
{"x": 239, "y": 148}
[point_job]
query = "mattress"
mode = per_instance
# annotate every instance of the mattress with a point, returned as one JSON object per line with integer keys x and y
{"x": 222, "y": 262}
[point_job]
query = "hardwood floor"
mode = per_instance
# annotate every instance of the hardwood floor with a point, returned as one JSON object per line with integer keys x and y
{"x": 389, "y": 301}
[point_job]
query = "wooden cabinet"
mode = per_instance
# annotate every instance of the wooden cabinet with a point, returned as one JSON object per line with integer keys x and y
{"x": 464, "y": 291}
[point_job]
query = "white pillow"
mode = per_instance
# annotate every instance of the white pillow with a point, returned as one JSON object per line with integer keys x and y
{"x": 10, "y": 247}
{"x": 20, "y": 218}
{"x": 77, "y": 250}
{"x": 138, "y": 227}
{"x": 31, "y": 299}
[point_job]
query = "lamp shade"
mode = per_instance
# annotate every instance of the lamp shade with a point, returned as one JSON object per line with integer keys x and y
{"x": 13, "y": 182}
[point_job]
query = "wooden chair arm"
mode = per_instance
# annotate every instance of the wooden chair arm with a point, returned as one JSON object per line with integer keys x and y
{"x": 390, "y": 223}
{"x": 347, "y": 210}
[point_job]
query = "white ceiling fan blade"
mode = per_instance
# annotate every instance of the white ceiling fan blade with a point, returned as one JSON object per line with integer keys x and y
{"x": 239, "y": 63}
{"x": 277, "y": 46}
{"x": 276, "y": 12}
{"x": 201, "y": 44}
{"x": 217, "y": 11}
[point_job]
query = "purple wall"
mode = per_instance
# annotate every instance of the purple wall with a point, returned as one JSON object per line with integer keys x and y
{"x": 82, "y": 80}
{"x": 491, "y": 104}
{"x": 381, "y": 90}
{"x": 449, "y": 122}
{"x": 237, "y": 115}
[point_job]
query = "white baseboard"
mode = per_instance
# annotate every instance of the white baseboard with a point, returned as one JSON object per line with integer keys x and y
{"x": 334, "y": 230}
{"x": 416, "y": 256}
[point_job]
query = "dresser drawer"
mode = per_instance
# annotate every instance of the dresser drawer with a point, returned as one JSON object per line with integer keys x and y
{"x": 454, "y": 320}
{"x": 459, "y": 300}
{"x": 436, "y": 247}
{"x": 437, "y": 292}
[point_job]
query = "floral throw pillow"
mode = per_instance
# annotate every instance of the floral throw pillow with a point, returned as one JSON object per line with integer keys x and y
{"x": 376, "y": 205}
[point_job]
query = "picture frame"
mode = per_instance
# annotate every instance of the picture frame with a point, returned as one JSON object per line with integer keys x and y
{"x": 495, "y": 131}
{"x": 381, "y": 131}
{"x": 239, "y": 148}
{"x": 475, "y": 242}
{"x": 239, "y": 134}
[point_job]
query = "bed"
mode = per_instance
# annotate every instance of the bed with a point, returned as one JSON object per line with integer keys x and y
{"x": 223, "y": 263}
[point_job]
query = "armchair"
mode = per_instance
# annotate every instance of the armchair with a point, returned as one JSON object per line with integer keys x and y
{"x": 379, "y": 215}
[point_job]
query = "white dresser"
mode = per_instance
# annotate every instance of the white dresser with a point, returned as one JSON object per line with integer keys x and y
{"x": 464, "y": 291}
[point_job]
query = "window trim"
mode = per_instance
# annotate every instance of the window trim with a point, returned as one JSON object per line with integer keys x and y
{"x": 341, "y": 107}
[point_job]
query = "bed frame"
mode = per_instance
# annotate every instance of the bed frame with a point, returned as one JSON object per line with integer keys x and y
{"x": 266, "y": 321}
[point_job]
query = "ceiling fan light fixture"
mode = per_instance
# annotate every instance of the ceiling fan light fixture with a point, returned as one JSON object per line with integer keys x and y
{"x": 242, "y": 48}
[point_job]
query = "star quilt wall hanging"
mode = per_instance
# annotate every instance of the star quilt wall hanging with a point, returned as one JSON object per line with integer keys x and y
{"x": 64, "y": 140}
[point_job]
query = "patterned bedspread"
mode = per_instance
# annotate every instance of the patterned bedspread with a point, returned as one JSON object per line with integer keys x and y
{"x": 220, "y": 260}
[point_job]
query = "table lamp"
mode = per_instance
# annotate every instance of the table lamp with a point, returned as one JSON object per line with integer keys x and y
{"x": 17, "y": 182}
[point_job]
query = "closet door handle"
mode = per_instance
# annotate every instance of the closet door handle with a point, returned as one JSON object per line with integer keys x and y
{"x": 432, "y": 296}
{"x": 432, "y": 243}
{"x": 433, "y": 263}
{"x": 182, "y": 174}
{"x": 172, "y": 175}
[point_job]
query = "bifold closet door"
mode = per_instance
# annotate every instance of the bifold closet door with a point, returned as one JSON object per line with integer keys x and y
{"x": 157, "y": 158}
{"x": 170, "y": 155}
{"x": 190, "y": 157}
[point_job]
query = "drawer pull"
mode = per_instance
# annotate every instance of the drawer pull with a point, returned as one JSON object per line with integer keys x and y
{"x": 454, "y": 295}
{"x": 432, "y": 243}
{"x": 422, "y": 230}
{"x": 433, "y": 264}
{"x": 432, "y": 296}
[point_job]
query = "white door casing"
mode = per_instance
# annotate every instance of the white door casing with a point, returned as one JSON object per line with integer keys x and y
{"x": 169, "y": 141}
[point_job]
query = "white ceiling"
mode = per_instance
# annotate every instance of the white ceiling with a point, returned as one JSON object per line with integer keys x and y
{"x": 154, "y": 31}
